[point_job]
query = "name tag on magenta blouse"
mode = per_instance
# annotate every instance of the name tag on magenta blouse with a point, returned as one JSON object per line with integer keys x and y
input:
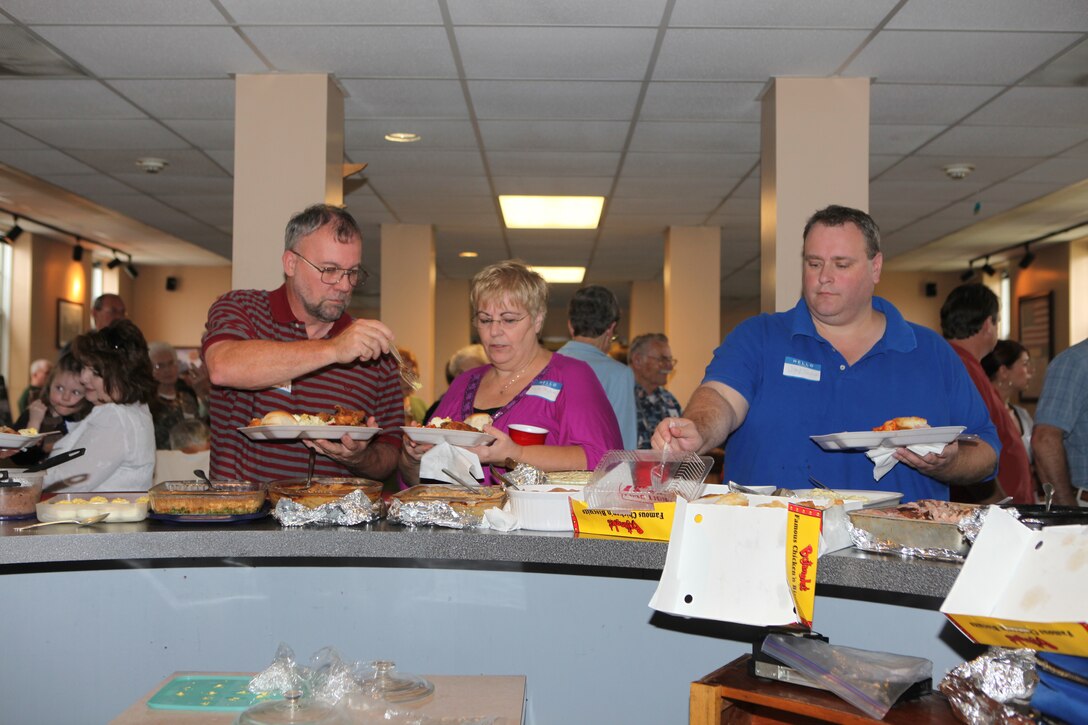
{"x": 547, "y": 389}
{"x": 794, "y": 368}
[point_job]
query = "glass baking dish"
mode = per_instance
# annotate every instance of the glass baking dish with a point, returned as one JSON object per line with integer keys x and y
{"x": 200, "y": 498}
{"x": 122, "y": 506}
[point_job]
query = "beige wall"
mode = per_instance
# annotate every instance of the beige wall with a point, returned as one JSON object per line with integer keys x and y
{"x": 175, "y": 317}
{"x": 1050, "y": 272}
{"x": 906, "y": 290}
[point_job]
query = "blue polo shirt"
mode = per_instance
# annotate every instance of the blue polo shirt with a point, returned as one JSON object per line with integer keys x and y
{"x": 797, "y": 385}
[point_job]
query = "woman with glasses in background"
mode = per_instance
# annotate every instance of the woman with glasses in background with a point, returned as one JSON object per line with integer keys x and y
{"x": 118, "y": 434}
{"x": 523, "y": 383}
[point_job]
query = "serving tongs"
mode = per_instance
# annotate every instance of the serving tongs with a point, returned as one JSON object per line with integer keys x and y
{"x": 407, "y": 374}
{"x": 6, "y": 480}
{"x": 474, "y": 489}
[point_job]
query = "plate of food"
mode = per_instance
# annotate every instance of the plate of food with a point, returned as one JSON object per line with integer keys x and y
{"x": 457, "y": 433}
{"x": 894, "y": 433}
{"x": 279, "y": 425}
{"x": 11, "y": 438}
{"x": 122, "y": 506}
{"x": 851, "y": 498}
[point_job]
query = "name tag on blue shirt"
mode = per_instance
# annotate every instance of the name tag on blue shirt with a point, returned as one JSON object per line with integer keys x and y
{"x": 547, "y": 389}
{"x": 794, "y": 368}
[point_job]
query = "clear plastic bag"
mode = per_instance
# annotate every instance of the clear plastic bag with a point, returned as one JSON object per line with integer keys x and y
{"x": 636, "y": 480}
{"x": 870, "y": 681}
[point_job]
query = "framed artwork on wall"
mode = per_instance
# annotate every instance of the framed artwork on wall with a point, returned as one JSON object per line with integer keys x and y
{"x": 1037, "y": 335}
{"x": 69, "y": 321}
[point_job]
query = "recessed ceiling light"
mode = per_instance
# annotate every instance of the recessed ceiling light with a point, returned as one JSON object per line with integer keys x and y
{"x": 551, "y": 212}
{"x": 561, "y": 275}
{"x": 468, "y": 255}
{"x": 402, "y": 137}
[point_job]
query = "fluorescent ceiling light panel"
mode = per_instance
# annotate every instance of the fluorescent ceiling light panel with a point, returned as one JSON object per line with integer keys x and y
{"x": 551, "y": 212}
{"x": 561, "y": 275}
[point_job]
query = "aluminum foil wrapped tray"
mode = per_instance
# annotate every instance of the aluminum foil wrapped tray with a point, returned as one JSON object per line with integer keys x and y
{"x": 448, "y": 506}
{"x": 926, "y": 529}
{"x": 354, "y": 508}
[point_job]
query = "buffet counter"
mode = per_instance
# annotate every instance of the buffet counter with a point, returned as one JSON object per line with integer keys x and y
{"x": 114, "y": 608}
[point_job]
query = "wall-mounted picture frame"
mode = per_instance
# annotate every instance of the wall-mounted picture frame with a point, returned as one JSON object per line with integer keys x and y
{"x": 1036, "y": 313}
{"x": 69, "y": 322}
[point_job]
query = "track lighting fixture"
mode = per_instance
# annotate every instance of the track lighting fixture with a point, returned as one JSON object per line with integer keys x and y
{"x": 14, "y": 233}
{"x": 130, "y": 268}
{"x": 114, "y": 263}
{"x": 1027, "y": 259}
{"x": 968, "y": 273}
{"x": 988, "y": 268}
{"x": 77, "y": 251}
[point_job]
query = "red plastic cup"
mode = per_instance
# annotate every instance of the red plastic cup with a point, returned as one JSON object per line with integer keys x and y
{"x": 527, "y": 435}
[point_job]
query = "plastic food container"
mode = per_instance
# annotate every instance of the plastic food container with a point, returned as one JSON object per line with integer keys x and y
{"x": 197, "y": 498}
{"x": 122, "y": 507}
{"x": 543, "y": 507}
{"x": 20, "y": 494}
{"x": 321, "y": 490}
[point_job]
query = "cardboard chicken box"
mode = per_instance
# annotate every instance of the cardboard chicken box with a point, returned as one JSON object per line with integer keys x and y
{"x": 1024, "y": 587}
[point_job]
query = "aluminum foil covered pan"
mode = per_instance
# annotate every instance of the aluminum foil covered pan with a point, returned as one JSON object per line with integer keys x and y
{"x": 448, "y": 506}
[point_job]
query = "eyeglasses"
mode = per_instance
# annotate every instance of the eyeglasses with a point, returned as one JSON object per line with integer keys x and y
{"x": 505, "y": 323}
{"x": 333, "y": 275}
{"x": 670, "y": 361}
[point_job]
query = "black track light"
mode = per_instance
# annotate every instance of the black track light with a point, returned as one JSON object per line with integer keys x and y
{"x": 114, "y": 263}
{"x": 988, "y": 268}
{"x": 14, "y": 233}
{"x": 967, "y": 273}
{"x": 77, "y": 251}
{"x": 130, "y": 268}
{"x": 1027, "y": 259}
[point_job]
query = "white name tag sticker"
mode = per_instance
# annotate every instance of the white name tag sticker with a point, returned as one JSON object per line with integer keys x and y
{"x": 285, "y": 387}
{"x": 547, "y": 389}
{"x": 794, "y": 368}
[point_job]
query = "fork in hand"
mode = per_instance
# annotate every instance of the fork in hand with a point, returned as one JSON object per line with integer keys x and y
{"x": 407, "y": 374}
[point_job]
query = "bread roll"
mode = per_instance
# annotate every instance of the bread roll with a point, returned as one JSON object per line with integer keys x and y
{"x": 278, "y": 417}
{"x": 479, "y": 420}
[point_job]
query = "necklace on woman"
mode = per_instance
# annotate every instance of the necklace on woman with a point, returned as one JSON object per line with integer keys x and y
{"x": 511, "y": 381}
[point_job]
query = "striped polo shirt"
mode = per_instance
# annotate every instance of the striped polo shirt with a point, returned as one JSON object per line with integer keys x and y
{"x": 372, "y": 386}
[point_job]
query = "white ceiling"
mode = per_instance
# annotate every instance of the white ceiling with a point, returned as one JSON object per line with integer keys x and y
{"x": 653, "y": 103}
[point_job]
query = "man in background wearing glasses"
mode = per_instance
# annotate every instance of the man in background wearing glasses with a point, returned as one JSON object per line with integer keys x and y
{"x": 296, "y": 349}
{"x": 650, "y": 358}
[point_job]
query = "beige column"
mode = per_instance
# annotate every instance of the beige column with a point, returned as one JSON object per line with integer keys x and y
{"x": 288, "y": 154}
{"x": 815, "y": 152}
{"x": 407, "y": 293}
{"x": 1078, "y": 290}
{"x": 692, "y": 302}
{"x": 647, "y": 312}
{"x": 452, "y": 326}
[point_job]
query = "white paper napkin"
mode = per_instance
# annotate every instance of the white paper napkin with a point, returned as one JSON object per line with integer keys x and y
{"x": 465, "y": 464}
{"x": 883, "y": 461}
{"x": 501, "y": 519}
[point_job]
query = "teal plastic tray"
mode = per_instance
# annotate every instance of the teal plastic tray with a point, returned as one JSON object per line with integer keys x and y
{"x": 207, "y": 692}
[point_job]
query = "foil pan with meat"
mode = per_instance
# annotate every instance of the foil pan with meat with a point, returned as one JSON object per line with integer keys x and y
{"x": 927, "y": 529}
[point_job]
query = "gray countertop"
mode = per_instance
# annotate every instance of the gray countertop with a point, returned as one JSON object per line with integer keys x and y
{"x": 848, "y": 572}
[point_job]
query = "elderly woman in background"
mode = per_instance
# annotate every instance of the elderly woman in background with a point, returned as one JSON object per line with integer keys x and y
{"x": 524, "y": 383}
{"x": 1009, "y": 368}
{"x": 175, "y": 400}
{"x": 118, "y": 434}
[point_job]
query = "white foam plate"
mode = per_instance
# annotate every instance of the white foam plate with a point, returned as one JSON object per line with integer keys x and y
{"x": 307, "y": 432}
{"x": 463, "y": 438}
{"x": 14, "y": 440}
{"x": 867, "y": 499}
{"x": 865, "y": 440}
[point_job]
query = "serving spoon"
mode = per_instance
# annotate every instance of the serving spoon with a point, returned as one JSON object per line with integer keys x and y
{"x": 85, "y": 521}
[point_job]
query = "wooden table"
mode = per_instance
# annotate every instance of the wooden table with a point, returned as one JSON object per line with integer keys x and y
{"x": 500, "y": 696}
{"x": 731, "y": 695}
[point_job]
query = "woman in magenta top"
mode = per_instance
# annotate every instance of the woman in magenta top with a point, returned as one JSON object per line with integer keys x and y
{"x": 525, "y": 383}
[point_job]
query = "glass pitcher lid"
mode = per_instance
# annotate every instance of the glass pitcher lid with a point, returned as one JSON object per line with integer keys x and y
{"x": 395, "y": 687}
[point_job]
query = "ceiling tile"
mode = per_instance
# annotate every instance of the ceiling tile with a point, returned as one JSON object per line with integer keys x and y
{"x": 899, "y": 139}
{"x": 553, "y": 135}
{"x": 753, "y": 55}
{"x": 356, "y": 51}
{"x": 691, "y": 136}
{"x": 116, "y": 12}
{"x": 955, "y": 57}
{"x": 1061, "y": 15}
{"x": 562, "y": 100}
{"x": 900, "y": 103}
{"x": 556, "y": 12}
{"x": 155, "y": 52}
{"x": 718, "y": 168}
{"x": 701, "y": 100}
{"x": 95, "y": 134}
{"x": 968, "y": 141}
{"x": 181, "y": 98}
{"x": 555, "y": 53}
{"x": 61, "y": 99}
{"x": 406, "y": 159}
{"x": 177, "y": 184}
{"x": 403, "y": 98}
{"x": 781, "y": 13}
{"x": 92, "y": 186}
{"x": 43, "y": 161}
{"x": 333, "y": 12}
{"x": 563, "y": 185}
{"x": 11, "y": 138}
{"x": 553, "y": 163}
{"x": 428, "y": 184}
{"x": 665, "y": 205}
{"x": 121, "y": 162}
{"x": 988, "y": 170}
{"x": 879, "y": 164}
{"x": 1056, "y": 171}
{"x": 641, "y": 187}
{"x": 1035, "y": 107}
{"x": 205, "y": 134}
{"x": 444, "y": 204}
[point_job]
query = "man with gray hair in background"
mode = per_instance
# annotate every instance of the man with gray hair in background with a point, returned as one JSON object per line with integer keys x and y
{"x": 592, "y": 316}
{"x": 651, "y": 360}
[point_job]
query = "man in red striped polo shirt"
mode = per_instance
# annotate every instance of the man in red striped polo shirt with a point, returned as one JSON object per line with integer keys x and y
{"x": 296, "y": 349}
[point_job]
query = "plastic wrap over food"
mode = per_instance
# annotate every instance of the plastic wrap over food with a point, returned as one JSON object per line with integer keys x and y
{"x": 993, "y": 688}
{"x": 868, "y": 542}
{"x": 636, "y": 480}
{"x": 366, "y": 708}
{"x": 355, "y": 508}
{"x": 283, "y": 675}
{"x": 434, "y": 513}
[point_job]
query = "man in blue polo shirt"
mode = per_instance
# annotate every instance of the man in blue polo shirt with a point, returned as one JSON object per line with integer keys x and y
{"x": 841, "y": 360}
